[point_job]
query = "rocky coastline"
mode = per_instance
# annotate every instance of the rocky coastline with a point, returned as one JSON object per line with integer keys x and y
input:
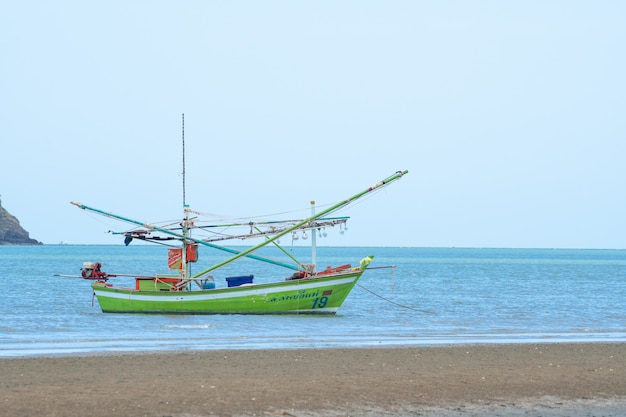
{"x": 11, "y": 232}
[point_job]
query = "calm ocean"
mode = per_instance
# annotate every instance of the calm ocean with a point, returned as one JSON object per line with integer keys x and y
{"x": 432, "y": 296}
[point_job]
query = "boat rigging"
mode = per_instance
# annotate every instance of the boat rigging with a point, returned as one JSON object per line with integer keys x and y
{"x": 306, "y": 290}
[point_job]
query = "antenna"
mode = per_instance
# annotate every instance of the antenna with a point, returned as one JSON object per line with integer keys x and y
{"x": 184, "y": 201}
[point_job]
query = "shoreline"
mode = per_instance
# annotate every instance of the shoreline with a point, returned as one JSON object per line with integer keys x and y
{"x": 106, "y": 350}
{"x": 450, "y": 380}
{"x": 60, "y": 353}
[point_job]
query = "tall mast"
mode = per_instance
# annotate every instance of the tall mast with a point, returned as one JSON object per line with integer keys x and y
{"x": 184, "y": 202}
{"x": 185, "y": 270}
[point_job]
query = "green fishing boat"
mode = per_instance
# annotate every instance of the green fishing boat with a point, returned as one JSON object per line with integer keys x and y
{"x": 305, "y": 290}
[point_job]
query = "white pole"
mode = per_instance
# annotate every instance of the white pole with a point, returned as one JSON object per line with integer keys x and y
{"x": 313, "y": 238}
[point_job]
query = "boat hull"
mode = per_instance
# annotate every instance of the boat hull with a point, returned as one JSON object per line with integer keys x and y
{"x": 323, "y": 295}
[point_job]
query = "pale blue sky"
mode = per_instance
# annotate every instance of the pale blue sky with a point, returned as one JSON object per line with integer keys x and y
{"x": 509, "y": 116}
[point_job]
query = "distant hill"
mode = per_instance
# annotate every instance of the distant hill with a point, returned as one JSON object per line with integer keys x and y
{"x": 11, "y": 233}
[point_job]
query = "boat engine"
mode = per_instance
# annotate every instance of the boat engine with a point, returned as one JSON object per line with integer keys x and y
{"x": 91, "y": 270}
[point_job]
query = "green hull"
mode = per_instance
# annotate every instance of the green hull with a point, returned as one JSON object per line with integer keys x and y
{"x": 323, "y": 295}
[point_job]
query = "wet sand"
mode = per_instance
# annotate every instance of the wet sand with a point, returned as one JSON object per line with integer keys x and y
{"x": 474, "y": 380}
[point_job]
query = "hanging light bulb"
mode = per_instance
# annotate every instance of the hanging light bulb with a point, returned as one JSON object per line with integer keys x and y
{"x": 294, "y": 236}
{"x": 319, "y": 232}
{"x": 304, "y": 235}
{"x": 324, "y": 234}
{"x": 341, "y": 229}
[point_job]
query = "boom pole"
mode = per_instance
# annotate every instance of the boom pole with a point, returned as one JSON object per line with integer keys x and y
{"x": 179, "y": 235}
{"x": 277, "y": 236}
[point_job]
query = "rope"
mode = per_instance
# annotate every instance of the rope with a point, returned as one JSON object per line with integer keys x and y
{"x": 394, "y": 303}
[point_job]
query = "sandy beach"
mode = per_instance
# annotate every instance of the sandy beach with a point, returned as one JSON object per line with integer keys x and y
{"x": 473, "y": 380}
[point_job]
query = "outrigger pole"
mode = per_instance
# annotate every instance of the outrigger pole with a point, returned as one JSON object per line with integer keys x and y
{"x": 277, "y": 236}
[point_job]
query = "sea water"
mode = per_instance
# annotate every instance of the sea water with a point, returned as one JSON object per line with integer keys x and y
{"x": 411, "y": 296}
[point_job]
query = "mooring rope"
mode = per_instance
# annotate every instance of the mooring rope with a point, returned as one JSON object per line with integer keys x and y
{"x": 394, "y": 303}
